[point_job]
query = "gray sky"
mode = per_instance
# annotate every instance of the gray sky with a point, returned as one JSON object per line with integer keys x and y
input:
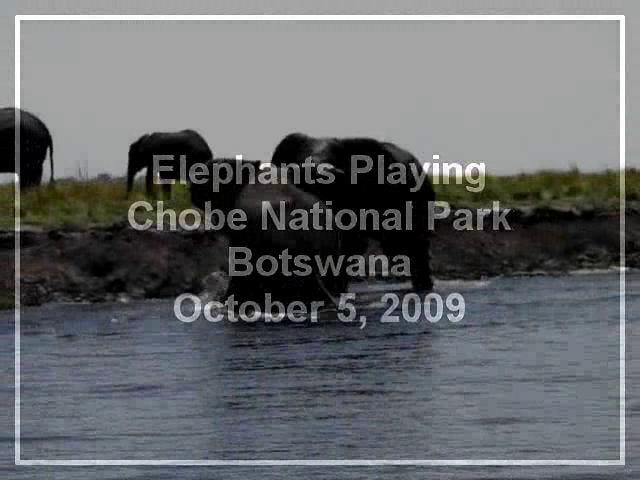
{"x": 518, "y": 96}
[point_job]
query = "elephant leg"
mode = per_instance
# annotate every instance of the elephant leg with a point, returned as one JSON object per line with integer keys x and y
{"x": 420, "y": 258}
{"x": 24, "y": 182}
{"x": 30, "y": 177}
{"x": 250, "y": 287}
{"x": 416, "y": 246}
{"x": 351, "y": 243}
{"x": 149, "y": 181}
{"x": 166, "y": 192}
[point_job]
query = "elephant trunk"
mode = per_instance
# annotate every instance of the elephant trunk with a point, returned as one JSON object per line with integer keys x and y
{"x": 131, "y": 171}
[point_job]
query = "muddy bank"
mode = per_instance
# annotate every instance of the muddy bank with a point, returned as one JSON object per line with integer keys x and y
{"x": 118, "y": 263}
{"x": 106, "y": 264}
{"x": 542, "y": 241}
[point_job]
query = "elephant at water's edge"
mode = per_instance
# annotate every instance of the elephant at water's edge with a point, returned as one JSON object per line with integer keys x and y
{"x": 250, "y": 197}
{"x": 187, "y": 143}
{"x": 35, "y": 140}
{"x": 368, "y": 192}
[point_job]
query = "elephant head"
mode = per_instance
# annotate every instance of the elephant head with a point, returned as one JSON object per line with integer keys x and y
{"x": 365, "y": 190}
{"x": 137, "y": 161}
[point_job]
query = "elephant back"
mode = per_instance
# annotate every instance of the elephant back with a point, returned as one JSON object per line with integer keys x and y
{"x": 184, "y": 142}
{"x": 34, "y": 135}
{"x": 29, "y": 124}
{"x": 198, "y": 144}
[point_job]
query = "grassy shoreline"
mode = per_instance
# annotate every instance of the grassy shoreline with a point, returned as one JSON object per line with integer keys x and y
{"x": 91, "y": 203}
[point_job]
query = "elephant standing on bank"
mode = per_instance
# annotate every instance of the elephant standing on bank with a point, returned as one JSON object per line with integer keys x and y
{"x": 369, "y": 193}
{"x": 35, "y": 140}
{"x": 187, "y": 143}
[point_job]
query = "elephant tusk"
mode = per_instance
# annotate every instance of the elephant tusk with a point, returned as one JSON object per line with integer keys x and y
{"x": 326, "y": 291}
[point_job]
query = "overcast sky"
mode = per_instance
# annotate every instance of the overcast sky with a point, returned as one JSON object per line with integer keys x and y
{"x": 518, "y": 96}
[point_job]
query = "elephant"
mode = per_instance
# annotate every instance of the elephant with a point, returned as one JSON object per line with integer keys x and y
{"x": 35, "y": 140}
{"x": 249, "y": 196}
{"x": 185, "y": 142}
{"x": 367, "y": 191}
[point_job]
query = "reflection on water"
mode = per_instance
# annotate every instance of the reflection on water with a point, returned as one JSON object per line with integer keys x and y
{"x": 531, "y": 372}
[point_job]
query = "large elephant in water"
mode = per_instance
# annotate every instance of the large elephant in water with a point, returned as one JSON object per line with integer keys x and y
{"x": 249, "y": 196}
{"x": 35, "y": 140}
{"x": 187, "y": 143}
{"x": 359, "y": 189}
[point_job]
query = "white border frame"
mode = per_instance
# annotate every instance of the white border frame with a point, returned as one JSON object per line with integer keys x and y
{"x": 364, "y": 462}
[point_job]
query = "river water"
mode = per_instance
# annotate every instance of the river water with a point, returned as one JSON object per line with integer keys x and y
{"x": 530, "y": 372}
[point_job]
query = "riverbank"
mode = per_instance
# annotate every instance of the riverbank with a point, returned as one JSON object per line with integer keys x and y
{"x": 72, "y": 204}
{"x": 107, "y": 263}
